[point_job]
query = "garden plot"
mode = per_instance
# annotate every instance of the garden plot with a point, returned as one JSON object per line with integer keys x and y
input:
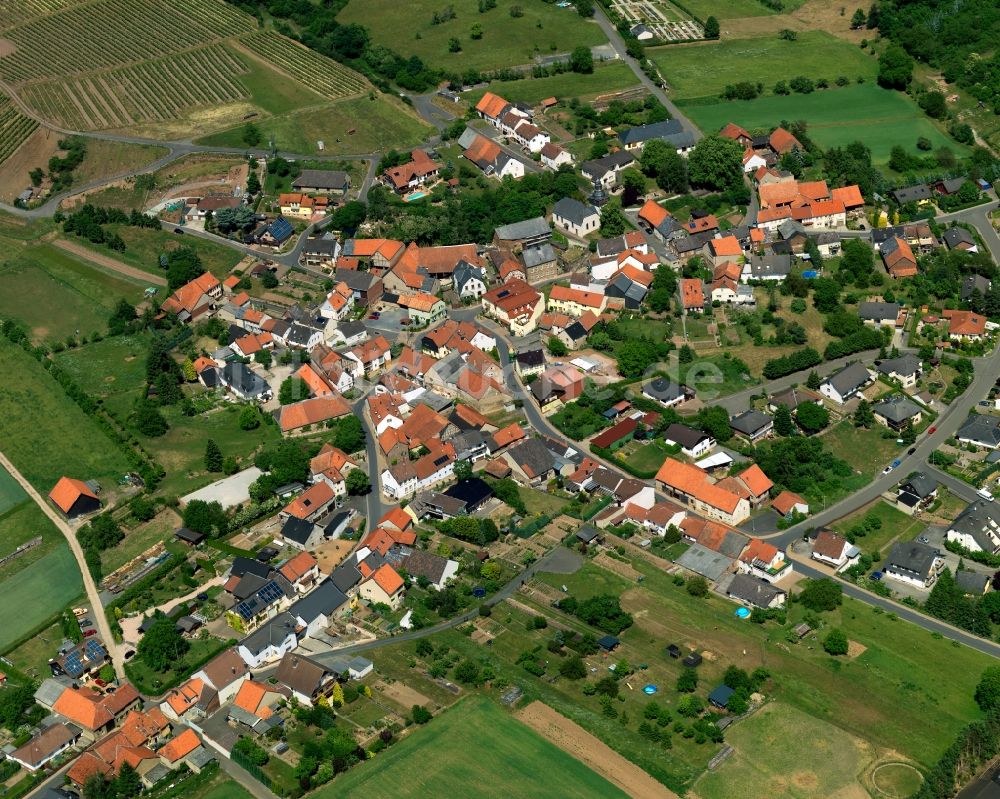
{"x": 667, "y": 22}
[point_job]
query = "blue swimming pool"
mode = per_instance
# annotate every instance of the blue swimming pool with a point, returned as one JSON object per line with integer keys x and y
{"x": 416, "y": 196}
{"x": 742, "y": 613}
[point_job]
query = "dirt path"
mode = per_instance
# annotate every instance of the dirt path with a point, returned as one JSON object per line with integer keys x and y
{"x": 94, "y": 597}
{"x": 576, "y": 741}
{"x": 109, "y": 263}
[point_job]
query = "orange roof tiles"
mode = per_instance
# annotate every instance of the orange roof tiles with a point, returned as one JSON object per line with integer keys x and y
{"x": 180, "y": 746}
{"x": 491, "y": 105}
{"x": 814, "y": 190}
{"x": 67, "y": 491}
{"x": 734, "y": 132}
{"x": 298, "y": 567}
{"x": 694, "y": 482}
{"x": 310, "y": 501}
{"x": 482, "y": 150}
{"x": 318, "y": 387}
{"x": 93, "y": 710}
{"x": 726, "y": 246}
{"x": 312, "y": 411}
{"x": 653, "y": 212}
{"x": 231, "y": 281}
{"x": 249, "y": 697}
{"x": 398, "y": 518}
{"x": 709, "y": 222}
{"x": 388, "y": 579}
{"x": 692, "y": 292}
{"x": 755, "y": 479}
{"x": 421, "y": 301}
{"x": 782, "y": 141}
{"x": 182, "y": 698}
{"x": 785, "y": 501}
{"x": 850, "y": 196}
{"x": 329, "y": 458}
{"x": 587, "y": 298}
{"x": 965, "y": 323}
{"x": 759, "y": 550}
{"x": 508, "y": 435}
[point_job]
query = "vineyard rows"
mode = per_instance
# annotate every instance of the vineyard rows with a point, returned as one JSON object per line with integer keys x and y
{"x": 307, "y": 66}
{"x": 14, "y": 128}
{"x": 14, "y": 12}
{"x": 112, "y": 33}
{"x": 149, "y": 92}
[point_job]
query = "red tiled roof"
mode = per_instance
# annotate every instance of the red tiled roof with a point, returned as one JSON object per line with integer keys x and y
{"x": 67, "y": 491}
{"x": 755, "y": 479}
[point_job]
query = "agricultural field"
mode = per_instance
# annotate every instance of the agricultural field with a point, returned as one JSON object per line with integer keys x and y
{"x": 371, "y": 123}
{"x": 878, "y": 117}
{"x": 449, "y": 765}
{"x": 38, "y": 593}
{"x": 19, "y": 525}
{"x": 781, "y": 751}
{"x": 109, "y": 33}
{"x": 15, "y": 128}
{"x": 323, "y": 74}
{"x": 605, "y": 79}
{"x": 704, "y": 70}
{"x": 17, "y": 12}
{"x": 112, "y": 370}
{"x": 727, "y": 9}
{"x": 43, "y": 277}
{"x": 408, "y": 28}
{"x": 105, "y": 159}
{"x": 45, "y": 433}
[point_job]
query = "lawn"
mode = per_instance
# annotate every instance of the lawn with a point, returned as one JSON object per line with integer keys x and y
{"x": 878, "y": 117}
{"x": 19, "y": 525}
{"x": 143, "y": 247}
{"x": 138, "y": 540}
{"x": 45, "y": 433}
{"x": 11, "y": 493}
{"x": 37, "y": 593}
{"x": 225, "y": 788}
{"x": 537, "y": 501}
{"x": 543, "y": 29}
{"x": 32, "y": 657}
{"x": 906, "y": 674}
{"x": 375, "y": 122}
{"x": 727, "y": 9}
{"x": 181, "y": 451}
{"x": 865, "y": 450}
{"x": 449, "y": 765}
{"x": 113, "y": 370}
{"x": 704, "y": 70}
{"x": 43, "y": 278}
{"x": 106, "y": 159}
{"x": 647, "y": 456}
{"x": 781, "y": 751}
{"x": 153, "y": 682}
{"x": 896, "y": 525}
{"x": 605, "y": 79}
{"x": 271, "y": 90}
{"x": 715, "y": 376}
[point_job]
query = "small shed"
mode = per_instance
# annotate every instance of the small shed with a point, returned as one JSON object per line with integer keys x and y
{"x": 188, "y": 624}
{"x": 720, "y": 696}
{"x": 674, "y": 651}
{"x": 588, "y": 534}
{"x": 693, "y": 659}
{"x": 802, "y": 630}
{"x": 190, "y": 537}
{"x": 608, "y": 643}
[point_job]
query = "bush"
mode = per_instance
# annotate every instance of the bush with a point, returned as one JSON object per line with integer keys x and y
{"x": 835, "y": 642}
{"x": 821, "y": 595}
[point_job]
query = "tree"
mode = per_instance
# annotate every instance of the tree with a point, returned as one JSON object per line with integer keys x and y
{"x": 420, "y": 714}
{"x": 716, "y": 163}
{"x": 711, "y": 28}
{"x": 581, "y": 60}
{"x": 613, "y": 222}
{"x": 149, "y": 421}
{"x": 251, "y": 134}
{"x": 476, "y": 33}
{"x": 863, "y": 415}
{"x": 835, "y": 642}
{"x": 253, "y": 183}
{"x": 162, "y": 646}
{"x": 987, "y": 694}
{"x": 812, "y": 417}
{"x": 249, "y": 418}
{"x": 248, "y": 750}
{"x": 573, "y": 668}
{"x": 213, "y": 456}
{"x": 357, "y": 482}
{"x": 783, "y": 425}
{"x": 463, "y": 470}
{"x": 633, "y": 186}
{"x": 556, "y": 347}
{"x": 468, "y": 672}
{"x": 714, "y": 420}
{"x": 454, "y": 45}
{"x": 635, "y": 356}
{"x": 697, "y": 586}
{"x": 15, "y": 702}
{"x": 934, "y": 105}
{"x": 350, "y": 434}
{"x": 814, "y": 381}
{"x": 895, "y": 68}
{"x": 122, "y": 315}
{"x": 687, "y": 680}
{"x": 205, "y": 517}
{"x": 127, "y": 783}
{"x": 858, "y": 19}
{"x": 263, "y": 357}
{"x": 821, "y": 595}
{"x": 293, "y": 389}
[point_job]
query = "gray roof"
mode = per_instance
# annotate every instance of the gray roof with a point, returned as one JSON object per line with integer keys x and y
{"x": 663, "y": 390}
{"x": 983, "y": 430}
{"x": 971, "y": 582}
{"x": 912, "y": 558}
{"x": 417, "y": 562}
{"x": 749, "y": 422}
{"x": 951, "y": 185}
{"x": 621, "y": 285}
{"x": 321, "y": 246}
{"x": 975, "y": 283}
{"x": 954, "y": 236}
{"x": 669, "y": 130}
{"x": 244, "y": 380}
{"x": 977, "y": 520}
{"x": 912, "y": 193}
{"x": 685, "y": 436}
{"x": 355, "y": 279}
{"x": 904, "y": 365}
{"x": 791, "y": 227}
{"x": 322, "y": 179}
{"x": 703, "y": 561}
{"x": 599, "y": 167}
{"x": 538, "y": 254}
{"x": 323, "y": 600}
{"x": 301, "y": 674}
{"x": 49, "y": 692}
{"x": 526, "y": 229}
{"x": 692, "y": 243}
{"x": 896, "y": 409}
{"x": 573, "y": 211}
{"x": 879, "y": 311}
{"x": 297, "y": 530}
{"x": 850, "y": 378}
{"x": 274, "y": 632}
{"x": 762, "y": 266}
{"x": 351, "y": 328}
{"x": 920, "y": 484}
{"x": 464, "y": 272}
{"x": 532, "y": 454}
{"x": 753, "y": 590}
{"x": 346, "y": 576}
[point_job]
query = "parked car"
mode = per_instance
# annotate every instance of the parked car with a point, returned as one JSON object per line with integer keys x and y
{"x": 985, "y": 494}
{"x": 886, "y": 470}
{"x": 924, "y": 539}
{"x": 374, "y": 315}
{"x": 895, "y": 463}
{"x": 931, "y": 430}
{"x": 178, "y": 231}
{"x": 985, "y": 403}
{"x": 86, "y": 623}
{"x": 911, "y": 450}
{"x": 90, "y": 632}
{"x": 405, "y": 321}
{"x": 876, "y": 575}
{"x": 202, "y": 597}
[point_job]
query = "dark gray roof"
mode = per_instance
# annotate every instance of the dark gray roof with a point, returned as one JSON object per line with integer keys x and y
{"x": 975, "y": 283}
{"x": 897, "y": 409}
{"x": 791, "y": 227}
{"x": 692, "y": 243}
{"x": 321, "y": 246}
{"x": 573, "y": 210}
{"x": 776, "y": 264}
{"x": 951, "y": 185}
{"x": 685, "y": 436}
{"x": 322, "y": 179}
{"x": 350, "y": 328}
{"x": 704, "y": 561}
{"x": 977, "y": 520}
{"x": 417, "y": 562}
{"x": 912, "y": 558}
{"x": 346, "y": 576}
{"x": 753, "y": 590}
{"x": 355, "y": 279}
{"x": 971, "y": 582}
{"x": 299, "y": 334}
{"x": 532, "y": 454}
{"x": 663, "y": 390}
{"x": 920, "y": 485}
{"x": 879, "y": 311}
{"x": 621, "y": 285}
{"x": 244, "y": 380}
{"x": 323, "y": 600}
{"x": 470, "y": 492}
{"x": 464, "y": 272}
{"x": 274, "y": 632}
{"x": 850, "y": 378}
{"x": 669, "y": 130}
{"x": 242, "y": 566}
{"x": 538, "y": 254}
{"x": 297, "y": 530}
{"x": 526, "y": 229}
{"x": 954, "y": 236}
{"x": 533, "y": 357}
{"x": 912, "y": 193}
{"x": 599, "y": 167}
{"x": 749, "y": 422}
{"x": 904, "y": 365}
{"x": 984, "y": 430}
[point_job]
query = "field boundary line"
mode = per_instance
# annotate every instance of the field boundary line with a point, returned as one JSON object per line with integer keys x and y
{"x": 107, "y": 262}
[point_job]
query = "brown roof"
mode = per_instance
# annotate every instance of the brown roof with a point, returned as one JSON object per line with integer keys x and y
{"x": 310, "y": 501}
{"x": 225, "y": 669}
{"x": 829, "y": 544}
{"x": 312, "y": 411}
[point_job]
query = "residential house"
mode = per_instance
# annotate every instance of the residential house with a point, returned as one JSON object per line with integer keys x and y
{"x": 530, "y": 461}
{"x": 666, "y": 392}
{"x": 420, "y": 170}
{"x": 301, "y": 533}
{"x": 575, "y": 303}
{"x": 366, "y": 288}
{"x": 423, "y": 308}
{"x": 847, "y": 383}
{"x": 958, "y": 238}
{"x": 693, "y": 443}
{"x": 723, "y": 249}
{"x": 656, "y": 219}
{"x": 879, "y": 314}
{"x": 772, "y": 267}
{"x": 554, "y": 156}
{"x": 919, "y": 194}
{"x": 93, "y": 711}
{"x": 898, "y": 258}
{"x": 268, "y": 642}
{"x": 752, "y": 425}
{"x": 194, "y": 699}
{"x": 670, "y": 131}
{"x": 755, "y": 592}
{"x": 897, "y": 413}
{"x": 763, "y": 560}
{"x": 307, "y": 679}
{"x": 469, "y": 281}
{"x": 576, "y": 218}
{"x": 556, "y": 386}
{"x": 379, "y": 255}
{"x": 965, "y": 325}
{"x": 737, "y": 134}
{"x": 693, "y": 295}
{"x": 913, "y": 563}
{"x": 752, "y": 484}
{"x": 47, "y": 745}
{"x": 514, "y": 304}
{"x": 194, "y": 300}
{"x": 604, "y": 171}
{"x": 381, "y": 586}
{"x": 832, "y": 549}
{"x": 977, "y": 528}
{"x": 974, "y": 283}
{"x": 490, "y": 157}
{"x": 370, "y": 357}
{"x": 916, "y": 493}
{"x": 225, "y": 673}
{"x": 981, "y": 431}
{"x": 792, "y": 398}
{"x": 694, "y": 487}
{"x": 244, "y": 383}
{"x": 316, "y": 611}
{"x": 787, "y": 505}
{"x": 311, "y": 503}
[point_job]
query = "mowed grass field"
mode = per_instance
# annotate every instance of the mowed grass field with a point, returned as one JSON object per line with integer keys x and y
{"x": 473, "y": 749}
{"x": 37, "y": 593}
{"x": 507, "y": 41}
{"x": 727, "y": 9}
{"x": 704, "y": 70}
{"x": 11, "y": 493}
{"x": 781, "y": 751}
{"x": 605, "y": 79}
{"x": 113, "y": 370}
{"x": 21, "y": 524}
{"x": 45, "y": 433}
{"x": 143, "y": 247}
{"x": 54, "y": 294}
{"x": 862, "y": 112}
{"x": 365, "y": 124}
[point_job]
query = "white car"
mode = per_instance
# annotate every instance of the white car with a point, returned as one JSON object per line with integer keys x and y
{"x": 985, "y": 494}
{"x": 886, "y": 470}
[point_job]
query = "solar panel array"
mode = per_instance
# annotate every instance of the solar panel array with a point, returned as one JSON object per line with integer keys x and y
{"x": 269, "y": 593}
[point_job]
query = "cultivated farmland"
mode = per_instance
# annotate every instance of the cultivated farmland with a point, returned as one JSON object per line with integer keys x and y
{"x": 109, "y": 33}
{"x": 14, "y": 128}
{"x": 147, "y": 92}
{"x": 474, "y": 743}
{"x": 17, "y": 11}
{"x": 37, "y": 593}
{"x": 323, "y": 74}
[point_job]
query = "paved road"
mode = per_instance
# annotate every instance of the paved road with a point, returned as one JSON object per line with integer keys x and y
{"x": 657, "y": 91}
{"x": 432, "y": 113}
{"x": 560, "y": 560}
{"x": 376, "y": 506}
{"x": 980, "y": 219}
{"x": 93, "y": 595}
